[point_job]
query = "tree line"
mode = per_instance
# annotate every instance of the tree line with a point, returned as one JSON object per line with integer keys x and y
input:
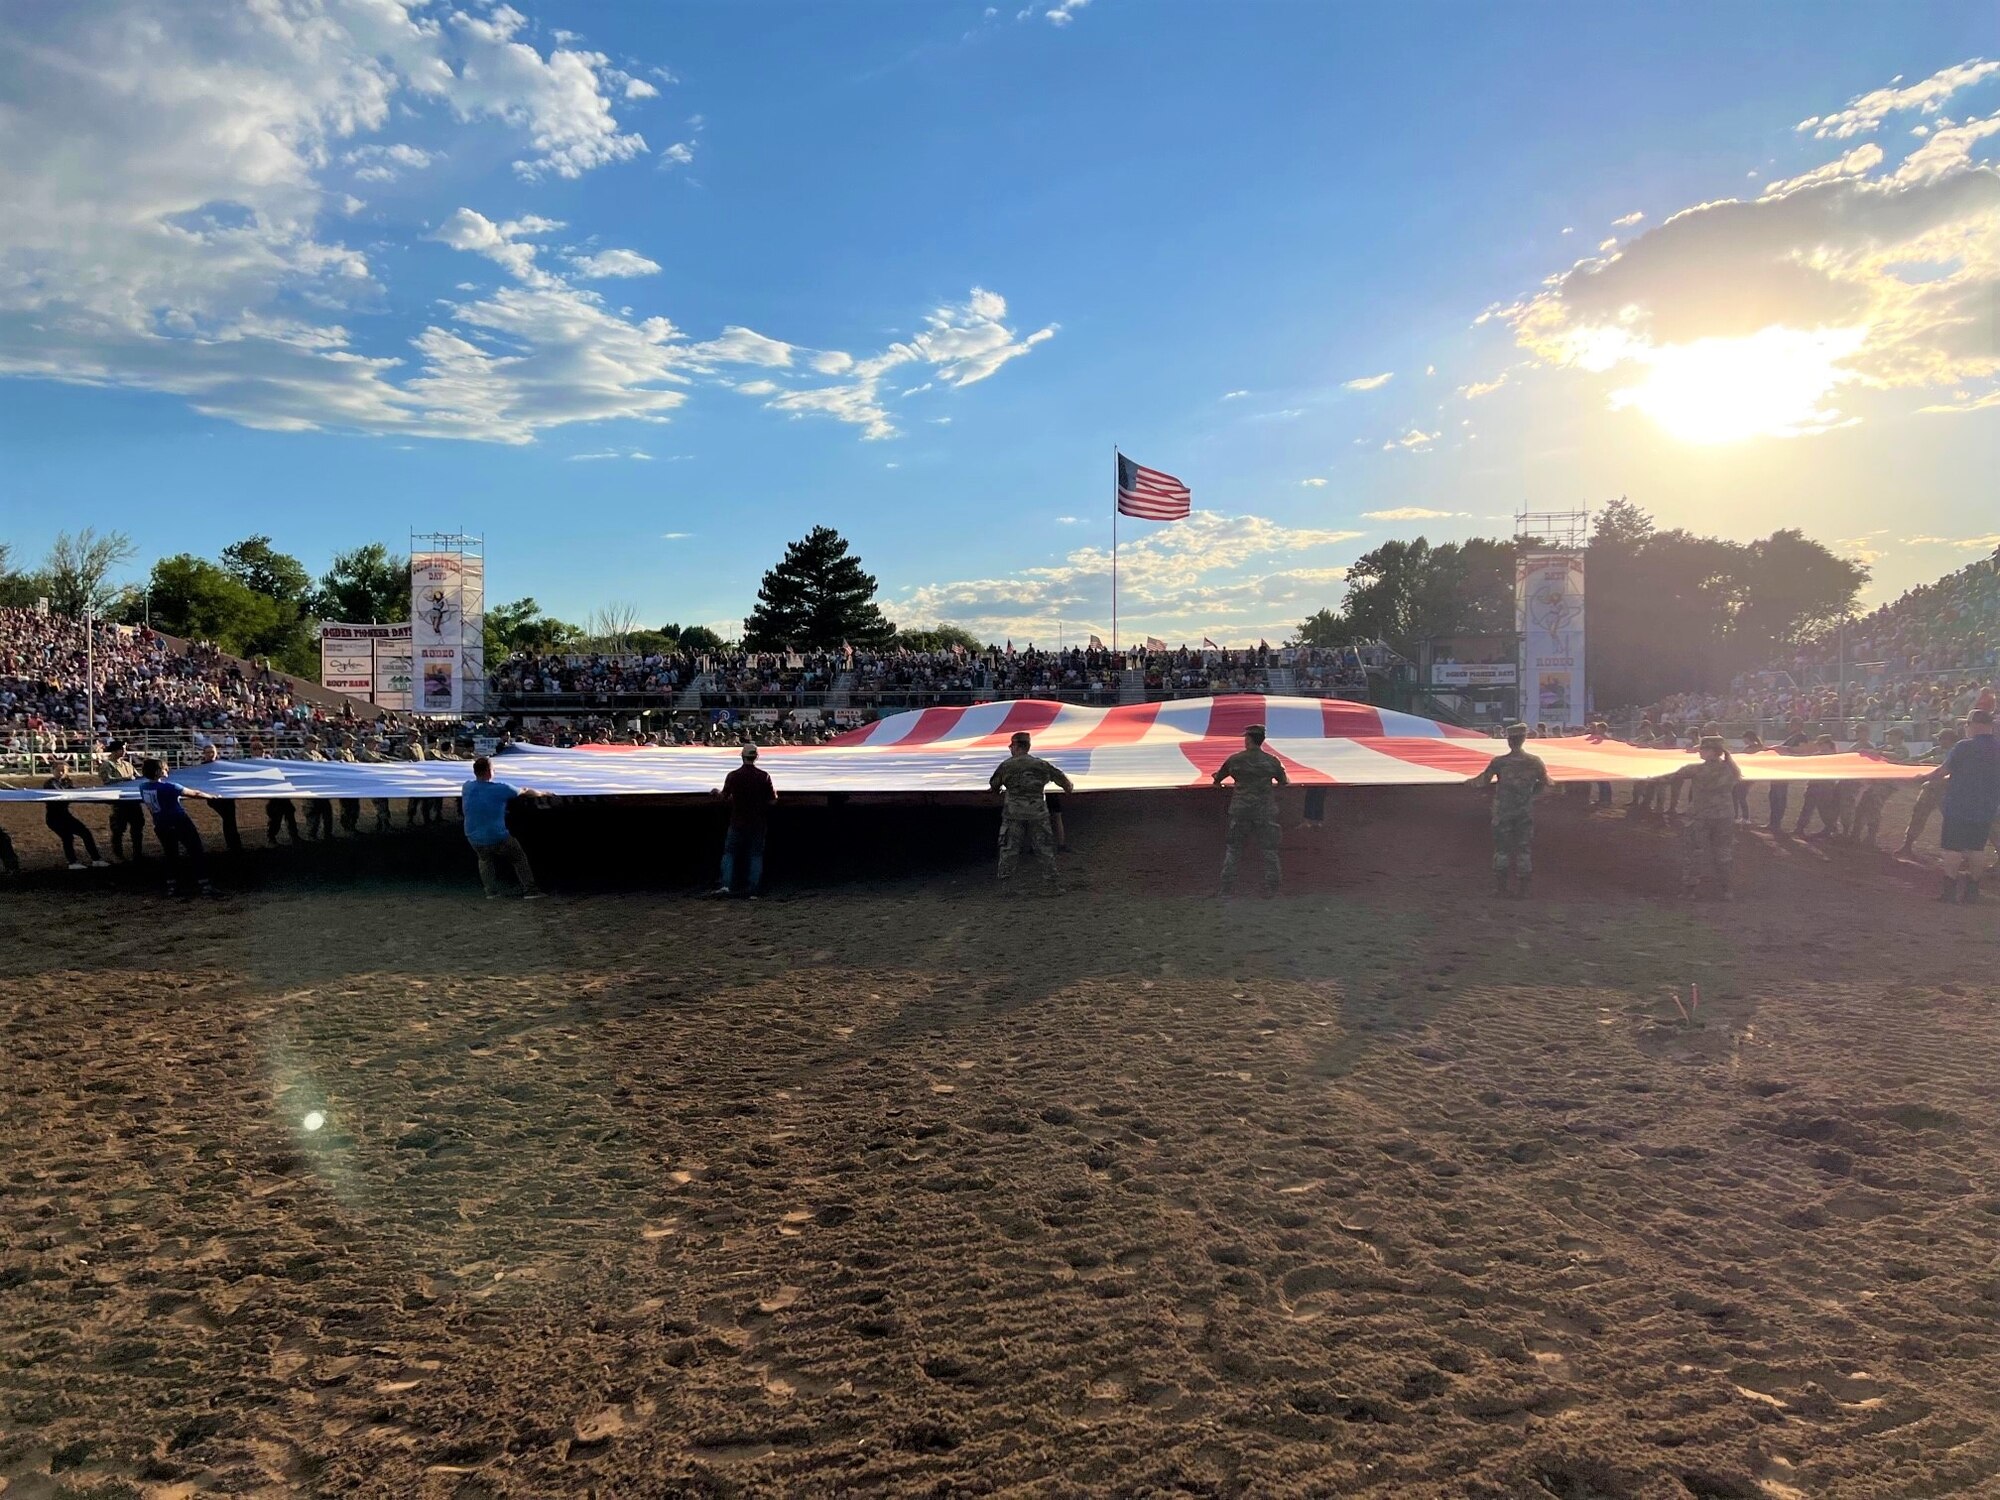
{"x": 254, "y": 600}
{"x": 1665, "y": 611}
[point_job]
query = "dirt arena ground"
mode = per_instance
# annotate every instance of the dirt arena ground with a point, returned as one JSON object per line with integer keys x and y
{"x": 895, "y": 1185}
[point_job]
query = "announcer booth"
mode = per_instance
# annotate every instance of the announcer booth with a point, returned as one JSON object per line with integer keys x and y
{"x": 1474, "y": 679}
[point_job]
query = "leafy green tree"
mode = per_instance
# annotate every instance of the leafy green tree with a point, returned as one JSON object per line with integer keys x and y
{"x": 369, "y": 585}
{"x": 1323, "y": 628}
{"x": 283, "y": 579}
{"x": 942, "y": 638}
{"x": 698, "y": 640}
{"x": 18, "y": 590}
{"x": 199, "y": 600}
{"x": 521, "y": 626}
{"x": 816, "y": 598}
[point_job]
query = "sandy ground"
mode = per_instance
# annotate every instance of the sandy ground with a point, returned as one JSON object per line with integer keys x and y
{"x": 897, "y": 1185}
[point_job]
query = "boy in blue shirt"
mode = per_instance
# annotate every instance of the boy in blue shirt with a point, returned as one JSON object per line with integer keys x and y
{"x": 1971, "y": 777}
{"x": 173, "y": 827}
{"x": 483, "y": 807}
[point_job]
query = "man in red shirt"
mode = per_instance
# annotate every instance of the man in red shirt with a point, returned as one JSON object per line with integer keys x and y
{"x": 749, "y": 793}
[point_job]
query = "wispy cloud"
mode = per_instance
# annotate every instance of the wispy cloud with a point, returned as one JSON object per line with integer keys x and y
{"x": 1234, "y": 395}
{"x": 1866, "y": 112}
{"x": 1315, "y": 483}
{"x": 610, "y": 263}
{"x": 1369, "y": 382}
{"x": 1410, "y": 513}
{"x": 1969, "y": 543}
{"x": 675, "y": 536}
{"x": 631, "y": 453}
{"x": 1628, "y": 220}
{"x": 1413, "y": 441}
{"x": 1480, "y": 388}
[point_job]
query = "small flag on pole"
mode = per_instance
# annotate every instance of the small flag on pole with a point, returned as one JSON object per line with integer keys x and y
{"x": 1154, "y": 643}
{"x": 1096, "y": 644}
{"x": 1208, "y": 645}
{"x": 1151, "y": 495}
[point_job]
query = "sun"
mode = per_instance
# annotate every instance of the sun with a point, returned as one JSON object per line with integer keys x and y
{"x": 1772, "y": 383}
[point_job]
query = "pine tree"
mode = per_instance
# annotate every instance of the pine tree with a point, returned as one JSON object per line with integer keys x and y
{"x": 816, "y": 598}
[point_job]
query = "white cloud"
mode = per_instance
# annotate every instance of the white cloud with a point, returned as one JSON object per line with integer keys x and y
{"x": 679, "y": 154}
{"x": 1410, "y": 513}
{"x": 1234, "y": 395}
{"x": 1966, "y": 401}
{"x": 1866, "y": 112}
{"x": 743, "y": 346}
{"x": 1478, "y": 388}
{"x": 375, "y": 163}
{"x": 193, "y": 258}
{"x": 1738, "y": 319}
{"x": 638, "y": 88}
{"x": 632, "y": 453}
{"x": 675, "y": 536}
{"x": 1179, "y": 581}
{"x": 1968, "y": 543}
{"x": 1627, "y": 221}
{"x": 612, "y": 263}
{"x": 1607, "y": 245}
{"x": 1068, "y": 520}
{"x": 1063, "y": 11}
{"x": 1862, "y": 160}
{"x": 1314, "y": 483}
{"x": 1413, "y": 441}
{"x": 758, "y": 387}
{"x": 1370, "y": 382}
{"x": 1863, "y": 549}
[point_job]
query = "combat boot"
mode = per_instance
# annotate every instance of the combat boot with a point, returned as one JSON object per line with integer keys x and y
{"x": 1521, "y": 887}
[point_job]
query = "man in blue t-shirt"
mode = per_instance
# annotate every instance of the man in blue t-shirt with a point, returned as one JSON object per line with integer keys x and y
{"x": 483, "y": 807}
{"x": 1971, "y": 776}
{"x": 173, "y": 827}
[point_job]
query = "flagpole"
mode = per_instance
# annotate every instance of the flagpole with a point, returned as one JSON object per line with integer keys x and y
{"x": 1114, "y": 549}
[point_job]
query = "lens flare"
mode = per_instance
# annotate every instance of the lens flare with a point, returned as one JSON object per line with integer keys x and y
{"x": 314, "y": 1120}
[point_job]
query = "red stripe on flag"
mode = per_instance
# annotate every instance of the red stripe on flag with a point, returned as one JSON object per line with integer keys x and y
{"x": 1229, "y": 717}
{"x": 1342, "y": 720}
{"x": 1121, "y": 726}
{"x": 1026, "y": 716}
{"x": 932, "y": 725}
{"x": 1441, "y": 755}
{"x": 1206, "y": 755}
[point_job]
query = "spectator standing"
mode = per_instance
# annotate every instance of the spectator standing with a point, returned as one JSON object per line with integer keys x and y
{"x": 225, "y": 807}
{"x": 127, "y": 816}
{"x": 66, "y": 825}
{"x": 1971, "y": 776}
{"x": 173, "y": 827}
{"x": 483, "y": 809}
{"x": 749, "y": 793}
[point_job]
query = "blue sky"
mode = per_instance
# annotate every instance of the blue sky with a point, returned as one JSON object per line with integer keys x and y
{"x": 343, "y": 270}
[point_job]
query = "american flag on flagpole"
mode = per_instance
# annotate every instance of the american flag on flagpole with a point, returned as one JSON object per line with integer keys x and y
{"x": 1151, "y": 495}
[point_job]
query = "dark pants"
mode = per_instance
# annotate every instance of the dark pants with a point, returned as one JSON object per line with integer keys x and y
{"x": 179, "y": 838}
{"x": 350, "y": 814}
{"x": 743, "y": 849}
{"x": 280, "y": 813}
{"x": 226, "y": 811}
{"x": 381, "y": 814}
{"x": 490, "y": 858}
{"x": 9, "y": 860}
{"x": 1781, "y": 796}
{"x": 65, "y": 825}
{"x": 319, "y": 819}
{"x": 128, "y": 818}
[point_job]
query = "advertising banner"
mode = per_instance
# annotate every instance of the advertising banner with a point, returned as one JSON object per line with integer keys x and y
{"x": 367, "y": 662}
{"x": 1473, "y": 674}
{"x": 437, "y": 620}
{"x": 1548, "y": 605}
{"x": 472, "y": 635}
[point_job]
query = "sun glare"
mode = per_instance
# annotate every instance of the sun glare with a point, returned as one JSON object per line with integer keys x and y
{"x": 1774, "y": 383}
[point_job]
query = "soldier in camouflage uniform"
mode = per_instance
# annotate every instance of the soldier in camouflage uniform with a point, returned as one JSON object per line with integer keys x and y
{"x": 1708, "y": 840}
{"x": 1519, "y": 778}
{"x": 1253, "y": 806}
{"x": 1024, "y": 821}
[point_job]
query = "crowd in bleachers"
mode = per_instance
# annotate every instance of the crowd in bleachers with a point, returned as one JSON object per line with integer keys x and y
{"x": 1918, "y": 663}
{"x": 144, "y": 684}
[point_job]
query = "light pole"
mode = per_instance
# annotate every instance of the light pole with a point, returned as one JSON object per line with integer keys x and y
{"x": 89, "y": 677}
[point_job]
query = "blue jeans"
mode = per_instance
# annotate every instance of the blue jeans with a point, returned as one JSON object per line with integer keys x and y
{"x": 739, "y": 845}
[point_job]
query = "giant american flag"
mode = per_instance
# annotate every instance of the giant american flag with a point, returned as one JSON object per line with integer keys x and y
{"x": 1149, "y": 494}
{"x": 1133, "y": 746}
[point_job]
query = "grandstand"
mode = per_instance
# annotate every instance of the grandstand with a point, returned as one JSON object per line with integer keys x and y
{"x": 1915, "y": 664}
